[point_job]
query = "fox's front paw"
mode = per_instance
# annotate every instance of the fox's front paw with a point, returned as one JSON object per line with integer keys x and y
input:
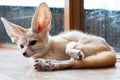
{"x": 44, "y": 65}
{"x": 77, "y": 54}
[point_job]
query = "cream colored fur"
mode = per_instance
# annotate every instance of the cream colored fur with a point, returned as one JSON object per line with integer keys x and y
{"x": 72, "y": 49}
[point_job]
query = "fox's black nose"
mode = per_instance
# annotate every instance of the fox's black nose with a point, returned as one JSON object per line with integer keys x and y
{"x": 24, "y": 53}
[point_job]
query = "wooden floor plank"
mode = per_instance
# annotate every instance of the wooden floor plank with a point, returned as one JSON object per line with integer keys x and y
{"x": 4, "y": 77}
{"x": 14, "y": 66}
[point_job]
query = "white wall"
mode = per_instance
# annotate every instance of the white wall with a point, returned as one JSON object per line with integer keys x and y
{"x": 102, "y": 4}
{"x": 51, "y": 3}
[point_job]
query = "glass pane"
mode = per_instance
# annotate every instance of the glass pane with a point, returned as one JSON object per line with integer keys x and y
{"x": 21, "y": 13}
{"x": 102, "y": 17}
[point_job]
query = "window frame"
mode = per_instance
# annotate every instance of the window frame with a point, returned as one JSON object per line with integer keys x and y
{"x": 74, "y": 15}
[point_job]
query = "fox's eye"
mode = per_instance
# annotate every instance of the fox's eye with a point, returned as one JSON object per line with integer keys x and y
{"x": 33, "y": 42}
{"x": 21, "y": 46}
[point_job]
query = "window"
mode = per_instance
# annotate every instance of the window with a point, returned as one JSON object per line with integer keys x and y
{"x": 102, "y": 17}
{"x": 21, "y": 12}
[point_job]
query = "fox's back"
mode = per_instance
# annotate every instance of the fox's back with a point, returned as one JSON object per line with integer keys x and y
{"x": 58, "y": 43}
{"x": 77, "y": 36}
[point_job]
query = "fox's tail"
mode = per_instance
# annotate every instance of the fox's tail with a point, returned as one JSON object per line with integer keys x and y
{"x": 102, "y": 59}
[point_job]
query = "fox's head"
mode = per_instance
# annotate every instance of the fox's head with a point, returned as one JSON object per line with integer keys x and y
{"x": 34, "y": 40}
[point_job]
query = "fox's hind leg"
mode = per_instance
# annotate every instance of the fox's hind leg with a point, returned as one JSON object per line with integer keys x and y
{"x": 83, "y": 49}
{"x": 75, "y": 53}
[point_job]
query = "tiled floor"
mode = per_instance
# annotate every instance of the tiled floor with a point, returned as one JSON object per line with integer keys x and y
{"x": 13, "y": 66}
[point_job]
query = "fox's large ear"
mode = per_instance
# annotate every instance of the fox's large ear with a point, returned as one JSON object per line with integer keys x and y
{"x": 14, "y": 31}
{"x": 42, "y": 19}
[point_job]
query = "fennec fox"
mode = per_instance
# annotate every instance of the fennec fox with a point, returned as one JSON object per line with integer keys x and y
{"x": 68, "y": 50}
